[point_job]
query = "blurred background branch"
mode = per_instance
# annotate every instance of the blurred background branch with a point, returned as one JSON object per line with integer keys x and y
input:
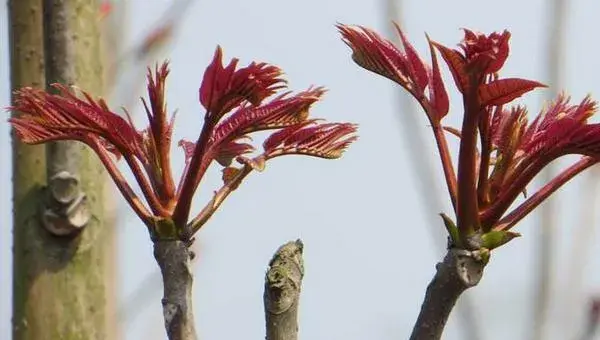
{"x": 543, "y": 279}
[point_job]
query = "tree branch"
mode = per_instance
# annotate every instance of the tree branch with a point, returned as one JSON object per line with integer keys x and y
{"x": 173, "y": 258}
{"x": 460, "y": 270}
{"x": 282, "y": 291}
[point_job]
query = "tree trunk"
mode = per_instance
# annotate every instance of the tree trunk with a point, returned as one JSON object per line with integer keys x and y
{"x": 63, "y": 279}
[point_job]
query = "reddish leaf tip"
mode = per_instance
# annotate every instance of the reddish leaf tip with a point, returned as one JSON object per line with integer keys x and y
{"x": 502, "y": 91}
{"x": 224, "y": 88}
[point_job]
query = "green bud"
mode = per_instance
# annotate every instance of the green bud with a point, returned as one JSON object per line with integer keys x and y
{"x": 497, "y": 238}
{"x": 452, "y": 230}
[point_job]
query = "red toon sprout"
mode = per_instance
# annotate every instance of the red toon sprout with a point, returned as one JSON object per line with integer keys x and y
{"x": 500, "y": 152}
{"x": 237, "y": 104}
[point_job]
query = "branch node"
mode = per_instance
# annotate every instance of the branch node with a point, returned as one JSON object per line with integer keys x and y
{"x": 469, "y": 265}
{"x": 460, "y": 270}
{"x": 66, "y": 211}
{"x": 64, "y": 187}
{"x": 170, "y": 311}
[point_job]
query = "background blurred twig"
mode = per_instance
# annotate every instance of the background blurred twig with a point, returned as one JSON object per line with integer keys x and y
{"x": 543, "y": 279}
{"x": 581, "y": 248}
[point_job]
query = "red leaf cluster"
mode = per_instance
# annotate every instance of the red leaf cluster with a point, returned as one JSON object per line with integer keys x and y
{"x": 500, "y": 153}
{"x": 237, "y": 105}
{"x": 377, "y": 54}
{"x": 224, "y": 88}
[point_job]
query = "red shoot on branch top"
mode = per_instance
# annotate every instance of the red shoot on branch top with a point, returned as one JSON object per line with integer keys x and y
{"x": 499, "y": 153}
{"x": 237, "y": 104}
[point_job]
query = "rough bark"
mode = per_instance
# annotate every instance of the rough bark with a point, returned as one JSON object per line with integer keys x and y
{"x": 460, "y": 270}
{"x": 173, "y": 258}
{"x": 61, "y": 283}
{"x": 29, "y": 161}
{"x": 282, "y": 292}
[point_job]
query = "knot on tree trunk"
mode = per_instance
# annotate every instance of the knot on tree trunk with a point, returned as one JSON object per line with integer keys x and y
{"x": 66, "y": 209}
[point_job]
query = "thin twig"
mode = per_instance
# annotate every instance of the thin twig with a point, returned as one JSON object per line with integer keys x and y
{"x": 126, "y": 85}
{"x": 282, "y": 292}
{"x": 547, "y": 228}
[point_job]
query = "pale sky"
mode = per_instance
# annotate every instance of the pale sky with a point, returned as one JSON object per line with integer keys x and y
{"x": 368, "y": 251}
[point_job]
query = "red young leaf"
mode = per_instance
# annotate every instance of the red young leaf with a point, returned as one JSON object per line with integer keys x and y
{"x": 188, "y": 149}
{"x": 230, "y": 150}
{"x": 416, "y": 67}
{"x": 278, "y": 113}
{"x": 47, "y": 117}
{"x": 223, "y": 89}
{"x": 327, "y": 140}
{"x": 503, "y": 123}
{"x": 585, "y": 141}
{"x": 277, "y": 138}
{"x": 216, "y": 80}
{"x": 558, "y": 130}
{"x": 457, "y": 65}
{"x": 563, "y": 129}
{"x": 485, "y": 53}
{"x": 503, "y": 91}
{"x": 161, "y": 129}
{"x": 376, "y": 54}
{"x": 507, "y": 131}
{"x": 157, "y": 137}
{"x": 437, "y": 92}
{"x": 230, "y": 173}
{"x": 553, "y": 126}
{"x": 547, "y": 117}
{"x": 512, "y": 127}
{"x": 495, "y": 125}
{"x": 31, "y": 132}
